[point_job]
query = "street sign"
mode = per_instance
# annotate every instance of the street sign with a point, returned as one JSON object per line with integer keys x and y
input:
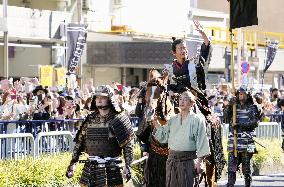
{"x": 245, "y": 67}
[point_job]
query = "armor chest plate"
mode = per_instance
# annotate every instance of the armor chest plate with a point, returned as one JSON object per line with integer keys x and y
{"x": 100, "y": 141}
{"x": 243, "y": 114}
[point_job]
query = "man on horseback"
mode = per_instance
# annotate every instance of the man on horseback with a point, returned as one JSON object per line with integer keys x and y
{"x": 184, "y": 74}
{"x": 192, "y": 74}
{"x": 189, "y": 72}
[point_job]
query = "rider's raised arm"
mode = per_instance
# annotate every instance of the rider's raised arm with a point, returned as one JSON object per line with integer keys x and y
{"x": 206, "y": 47}
{"x": 199, "y": 28}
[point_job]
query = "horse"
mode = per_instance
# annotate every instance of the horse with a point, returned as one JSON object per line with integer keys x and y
{"x": 158, "y": 106}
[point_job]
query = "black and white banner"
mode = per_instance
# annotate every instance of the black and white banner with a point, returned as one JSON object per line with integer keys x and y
{"x": 271, "y": 52}
{"x": 76, "y": 40}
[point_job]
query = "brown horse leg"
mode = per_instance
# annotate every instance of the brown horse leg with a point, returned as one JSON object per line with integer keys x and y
{"x": 210, "y": 174}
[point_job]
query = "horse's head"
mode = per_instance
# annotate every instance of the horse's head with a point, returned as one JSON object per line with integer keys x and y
{"x": 157, "y": 102}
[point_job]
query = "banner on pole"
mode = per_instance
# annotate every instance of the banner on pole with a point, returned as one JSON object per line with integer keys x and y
{"x": 76, "y": 40}
{"x": 45, "y": 75}
{"x": 271, "y": 52}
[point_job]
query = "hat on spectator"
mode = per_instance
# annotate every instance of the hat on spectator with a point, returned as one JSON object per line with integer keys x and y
{"x": 68, "y": 97}
{"x": 117, "y": 86}
{"x": 63, "y": 93}
{"x": 38, "y": 88}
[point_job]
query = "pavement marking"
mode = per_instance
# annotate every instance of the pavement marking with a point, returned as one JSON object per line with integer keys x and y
{"x": 223, "y": 182}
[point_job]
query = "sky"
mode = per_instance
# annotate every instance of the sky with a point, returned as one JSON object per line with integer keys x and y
{"x": 165, "y": 17}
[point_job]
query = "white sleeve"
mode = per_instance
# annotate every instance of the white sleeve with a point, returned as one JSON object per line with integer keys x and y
{"x": 202, "y": 142}
{"x": 192, "y": 73}
{"x": 162, "y": 133}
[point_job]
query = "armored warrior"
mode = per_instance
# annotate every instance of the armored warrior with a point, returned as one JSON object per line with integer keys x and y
{"x": 281, "y": 111}
{"x": 107, "y": 132}
{"x": 246, "y": 121}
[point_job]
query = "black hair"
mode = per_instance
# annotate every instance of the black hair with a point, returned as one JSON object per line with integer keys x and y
{"x": 211, "y": 97}
{"x": 274, "y": 89}
{"x": 258, "y": 98}
{"x": 175, "y": 43}
{"x": 69, "y": 98}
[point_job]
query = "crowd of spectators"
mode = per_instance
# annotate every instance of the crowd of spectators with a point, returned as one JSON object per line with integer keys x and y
{"x": 26, "y": 99}
{"x": 269, "y": 102}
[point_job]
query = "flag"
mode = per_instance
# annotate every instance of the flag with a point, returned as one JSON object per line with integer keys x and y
{"x": 271, "y": 52}
{"x": 46, "y": 77}
{"x": 60, "y": 76}
{"x": 76, "y": 40}
{"x": 243, "y": 13}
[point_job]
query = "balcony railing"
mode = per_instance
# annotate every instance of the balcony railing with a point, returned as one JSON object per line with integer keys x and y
{"x": 251, "y": 37}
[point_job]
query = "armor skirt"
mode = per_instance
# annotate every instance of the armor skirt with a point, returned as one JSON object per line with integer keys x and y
{"x": 94, "y": 176}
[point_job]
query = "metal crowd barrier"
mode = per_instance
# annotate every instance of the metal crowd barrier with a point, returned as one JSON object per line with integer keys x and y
{"x": 21, "y": 145}
{"x": 267, "y": 130}
{"x": 53, "y": 142}
{"x": 275, "y": 117}
{"x": 17, "y": 145}
{"x": 36, "y": 126}
{"x": 23, "y": 139}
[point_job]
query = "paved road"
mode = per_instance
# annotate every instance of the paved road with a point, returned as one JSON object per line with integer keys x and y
{"x": 272, "y": 180}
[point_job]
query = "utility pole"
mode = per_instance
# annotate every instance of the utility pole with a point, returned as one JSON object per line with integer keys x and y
{"x": 233, "y": 92}
{"x": 80, "y": 16}
{"x": 256, "y": 64}
{"x": 79, "y": 9}
{"x": 239, "y": 56}
{"x": 6, "y": 51}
